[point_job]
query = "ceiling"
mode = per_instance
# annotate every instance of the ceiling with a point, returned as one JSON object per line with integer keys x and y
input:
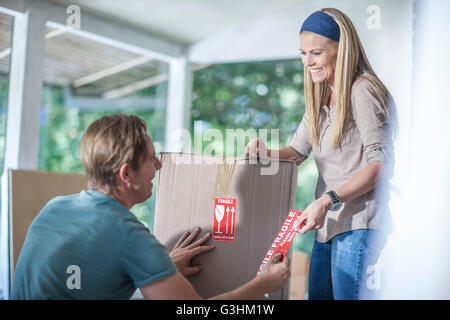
{"x": 91, "y": 68}
{"x": 183, "y": 21}
{"x": 97, "y": 69}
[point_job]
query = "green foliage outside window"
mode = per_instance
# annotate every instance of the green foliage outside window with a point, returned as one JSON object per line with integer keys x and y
{"x": 62, "y": 129}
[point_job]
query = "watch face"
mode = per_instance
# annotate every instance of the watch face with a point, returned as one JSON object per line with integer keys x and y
{"x": 336, "y": 206}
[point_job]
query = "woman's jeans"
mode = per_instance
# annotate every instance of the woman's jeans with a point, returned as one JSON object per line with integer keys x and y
{"x": 346, "y": 266}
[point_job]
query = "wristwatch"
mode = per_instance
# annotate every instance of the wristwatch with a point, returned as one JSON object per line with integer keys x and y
{"x": 336, "y": 203}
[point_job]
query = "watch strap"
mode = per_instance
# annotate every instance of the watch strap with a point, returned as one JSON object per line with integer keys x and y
{"x": 334, "y": 197}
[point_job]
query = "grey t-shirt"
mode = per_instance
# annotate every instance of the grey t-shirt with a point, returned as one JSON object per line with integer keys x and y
{"x": 367, "y": 138}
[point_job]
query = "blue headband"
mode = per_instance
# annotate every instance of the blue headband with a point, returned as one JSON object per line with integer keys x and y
{"x": 321, "y": 23}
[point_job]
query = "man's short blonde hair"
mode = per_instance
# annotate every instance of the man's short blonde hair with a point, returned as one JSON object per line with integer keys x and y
{"x": 110, "y": 142}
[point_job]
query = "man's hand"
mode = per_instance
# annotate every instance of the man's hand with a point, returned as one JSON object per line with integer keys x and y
{"x": 275, "y": 273}
{"x": 185, "y": 250}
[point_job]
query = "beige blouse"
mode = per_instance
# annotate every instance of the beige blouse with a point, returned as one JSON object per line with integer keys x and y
{"x": 367, "y": 139}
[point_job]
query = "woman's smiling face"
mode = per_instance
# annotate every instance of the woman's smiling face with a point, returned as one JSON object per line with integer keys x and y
{"x": 319, "y": 56}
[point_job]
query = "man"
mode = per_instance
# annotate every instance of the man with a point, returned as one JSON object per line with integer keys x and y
{"x": 90, "y": 246}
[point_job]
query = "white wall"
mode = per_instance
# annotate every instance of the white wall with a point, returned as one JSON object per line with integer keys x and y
{"x": 416, "y": 259}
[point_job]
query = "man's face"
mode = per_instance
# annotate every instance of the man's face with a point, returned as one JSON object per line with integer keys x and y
{"x": 145, "y": 173}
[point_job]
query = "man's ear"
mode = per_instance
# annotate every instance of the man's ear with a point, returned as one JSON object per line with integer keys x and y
{"x": 125, "y": 175}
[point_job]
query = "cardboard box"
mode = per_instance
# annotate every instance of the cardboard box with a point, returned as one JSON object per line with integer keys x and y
{"x": 29, "y": 192}
{"x": 186, "y": 191}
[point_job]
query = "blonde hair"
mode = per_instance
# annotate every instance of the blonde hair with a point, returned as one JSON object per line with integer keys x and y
{"x": 352, "y": 66}
{"x": 110, "y": 142}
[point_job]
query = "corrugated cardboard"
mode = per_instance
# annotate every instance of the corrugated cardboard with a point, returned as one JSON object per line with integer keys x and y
{"x": 185, "y": 199}
{"x": 29, "y": 192}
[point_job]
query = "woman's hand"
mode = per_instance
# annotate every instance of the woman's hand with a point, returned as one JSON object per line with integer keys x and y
{"x": 314, "y": 214}
{"x": 256, "y": 148}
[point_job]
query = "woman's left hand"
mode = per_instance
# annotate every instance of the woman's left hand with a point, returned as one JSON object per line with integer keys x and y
{"x": 314, "y": 214}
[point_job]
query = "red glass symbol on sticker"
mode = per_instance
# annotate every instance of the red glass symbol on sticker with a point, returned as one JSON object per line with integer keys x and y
{"x": 224, "y": 219}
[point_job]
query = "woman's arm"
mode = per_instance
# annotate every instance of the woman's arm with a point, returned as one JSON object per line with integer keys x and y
{"x": 363, "y": 182}
{"x": 256, "y": 148}
{"x": 286, "y": 153}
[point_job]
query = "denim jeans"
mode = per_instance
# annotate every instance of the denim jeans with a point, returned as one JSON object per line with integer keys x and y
{"x": 344, "y": 268}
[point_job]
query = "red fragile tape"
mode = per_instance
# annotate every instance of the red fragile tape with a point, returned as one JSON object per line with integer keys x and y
{"x": 284, "y": 238}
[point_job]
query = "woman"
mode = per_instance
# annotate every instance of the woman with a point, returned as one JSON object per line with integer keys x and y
{"x": 347, "y": 127}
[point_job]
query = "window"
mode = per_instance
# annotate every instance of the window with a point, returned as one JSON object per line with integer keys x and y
{"x": 85, "y": 80}
{"x": 6, "y": 23}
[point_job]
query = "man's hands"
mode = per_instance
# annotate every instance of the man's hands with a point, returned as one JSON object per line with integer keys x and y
{"x": 275, "y": 273}
{"x": 273, "y": 276}
{"x": 185, "y": 250}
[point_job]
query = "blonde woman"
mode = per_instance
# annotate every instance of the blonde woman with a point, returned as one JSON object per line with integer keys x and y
{"x": 347, "y": 127}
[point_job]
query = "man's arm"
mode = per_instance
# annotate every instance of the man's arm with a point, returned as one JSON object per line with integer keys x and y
{"x": 177, "y": 287}
{"x": 273, "y": 276}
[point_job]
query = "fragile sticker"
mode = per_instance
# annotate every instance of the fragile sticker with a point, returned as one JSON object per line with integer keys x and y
{"x": 224, "y": 219}
{"x": 284, "y": 238}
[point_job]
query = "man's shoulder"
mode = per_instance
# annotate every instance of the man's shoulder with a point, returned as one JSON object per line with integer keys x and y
{"x": 86, "y": 199}
{"x": 86, "y": 208}
{"x": 66, "y": 199}
{"x": 60, "y": 204}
